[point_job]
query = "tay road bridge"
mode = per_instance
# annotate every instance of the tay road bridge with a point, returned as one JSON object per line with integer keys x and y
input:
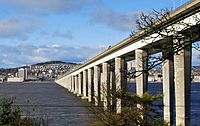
{"x": 172, "y": 36}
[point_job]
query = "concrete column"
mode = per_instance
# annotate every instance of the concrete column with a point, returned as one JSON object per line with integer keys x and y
{"x": 168, "y": 86}
{"x": 106, "y": 84}
{"x": 90, "y": 85}
{"x": 73, "y": 83}
{"x": 112, "y": 91}
{"x": 64, "y": 84}
{"x": 120, "y": 80}
{"x": 141, "y": 60}
{"x": 85, "y": 84}
{"x": 101, "y": 93}
{"x": 112, "y": 81}
{"x": 68, "y": 83}
{"x": 80, "y": 82}
{"x": 97, "y": 80}
{"x": 76, "y": 85}
{"x": 182, "y": 72}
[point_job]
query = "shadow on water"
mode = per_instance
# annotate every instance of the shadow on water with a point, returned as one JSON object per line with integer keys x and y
{"x": 156, "y": 88}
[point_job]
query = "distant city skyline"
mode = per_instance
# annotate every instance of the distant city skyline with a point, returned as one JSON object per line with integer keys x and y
{"x": 33, "y": 31}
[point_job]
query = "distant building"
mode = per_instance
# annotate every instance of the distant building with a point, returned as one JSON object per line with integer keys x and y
{"x": 15, "y": 79}
{"x": 196, "y": 77}
{"x": 22, "y": 73}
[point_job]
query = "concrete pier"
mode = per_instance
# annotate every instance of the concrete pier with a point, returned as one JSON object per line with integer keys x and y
{"x": 182, "y": 72}
{"x": 85, "y": 84}
{"x": 106, "y": 84}
{"x": 112, "y": 91}
{"x": 90, "y": 85}
{"x": 67, "y": 83}
{"x": 168, "y": 87}
{"x": 101, "y": 89}
{"x": 97, "y": 81}
{"x": 141, "y": 59}
{"x": 120, "y": 80}
{"x": 80, "y": 82}
{"x": 73, "y": 83}
{"x": 76, "y": 84}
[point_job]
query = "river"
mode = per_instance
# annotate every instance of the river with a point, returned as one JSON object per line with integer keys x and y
{"x": 49, "y": 101}
{"x": 61, "y": 108}
{"x": 156, "y": 88}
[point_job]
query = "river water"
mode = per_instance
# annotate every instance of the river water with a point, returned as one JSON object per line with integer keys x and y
{"x": 61, "y": 108}
{"x": 49, "y": 101}
{"x": 156, "y": 88}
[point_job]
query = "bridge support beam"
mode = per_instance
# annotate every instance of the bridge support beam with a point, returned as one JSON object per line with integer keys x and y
{"x": 76, "y": 85}
{"x": 70, "y": 83}
{"x": 105, "y": 89}
{"x": 90, "y": 85}
{"x": 141, "y": 59}
{"x": 112, "y": 90}
{"x": 80, "y": 82}
{"x": 168, "y": 86}
{"x": 85, "y": 84}
{"x": 182, "y": 72}
{"x": 120, "y": 80}
{"x": 97, "y": 80}
{"x": 101, "y": 93}
{"x": 73, "y": 83}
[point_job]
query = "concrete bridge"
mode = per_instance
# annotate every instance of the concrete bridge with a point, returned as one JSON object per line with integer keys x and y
{"x": 88, "y": 79}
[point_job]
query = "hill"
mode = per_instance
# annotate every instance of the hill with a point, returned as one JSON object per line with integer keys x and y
{"x": 54, "y": 62}
{"x": 49, "y": 69}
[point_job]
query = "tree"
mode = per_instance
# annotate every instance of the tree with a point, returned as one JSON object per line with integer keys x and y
{"x": 12, "y": 117}
{"x": 131, "y": 114}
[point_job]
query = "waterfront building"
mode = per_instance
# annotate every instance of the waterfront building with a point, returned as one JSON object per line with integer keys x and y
{"x": 22, "y": 73}
{"x": 196, "y": 77}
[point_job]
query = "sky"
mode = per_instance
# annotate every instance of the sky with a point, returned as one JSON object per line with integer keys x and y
{"x": 33, "y": 31}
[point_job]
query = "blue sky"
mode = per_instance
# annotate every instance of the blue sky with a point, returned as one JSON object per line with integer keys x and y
{"x": 34, "y": 31}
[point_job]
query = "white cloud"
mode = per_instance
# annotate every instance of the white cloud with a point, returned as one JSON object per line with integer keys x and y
{"x": 14, "y": 27}
{"x": 22, "y": 27}
{"x": 67, "y": 35}
{"x": 37, "y": 59}
{"x": 42, "y": 50}
{"x": 55, "y": 46}
{"x": 5, "y": 61}
{"x": 119, "y": 21}
{"x": 43, "y": 6}
{"x": 29, "y": 54}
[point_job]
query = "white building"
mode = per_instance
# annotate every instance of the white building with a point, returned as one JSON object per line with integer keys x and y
{"x": 15, "y": 79}
{"x": 196, "y": 77}
{"x": 22, "y": 73}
